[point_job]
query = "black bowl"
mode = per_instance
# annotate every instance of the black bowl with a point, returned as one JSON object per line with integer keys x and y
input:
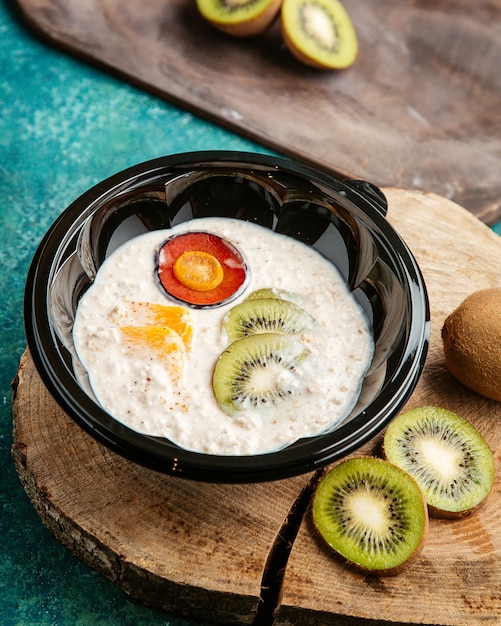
{"x": 343, "y": 219}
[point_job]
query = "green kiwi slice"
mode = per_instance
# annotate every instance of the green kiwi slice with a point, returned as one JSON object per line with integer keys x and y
{"x": 319, "y": 33}
{"x": 272, "y": 292}
{"x": 371, "y": 513}
{"x": 261, "y": 372}
{"x": 265, "y": 315}
{"x": 446, "y": 455}
{"x": 240, "y": 18}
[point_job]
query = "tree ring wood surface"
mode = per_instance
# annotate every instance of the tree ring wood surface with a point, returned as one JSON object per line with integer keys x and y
{"x": 419, "y": 109}
{"x": 210, "y": 551}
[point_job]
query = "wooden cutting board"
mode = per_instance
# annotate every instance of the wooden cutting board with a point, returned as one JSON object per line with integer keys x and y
{"x": 420, "y": 109}
{"x": 212, "y": 551}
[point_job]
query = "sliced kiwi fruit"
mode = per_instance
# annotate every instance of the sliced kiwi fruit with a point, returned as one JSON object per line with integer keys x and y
{"x": 265, "y": 315}
{"x": 371, "y": 513}
{"x": 259, "y": 372}
{"x": 319, "y": 33}
{"x": 240, "y": 18}
{"x": 272, "y": 292}
{"x": 446, "y": 455}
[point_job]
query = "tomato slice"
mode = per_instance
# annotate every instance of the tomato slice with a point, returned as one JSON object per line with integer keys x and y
{"x": 201, "y": 269}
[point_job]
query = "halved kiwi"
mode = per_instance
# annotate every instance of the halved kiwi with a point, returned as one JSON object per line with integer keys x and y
{"x": 372, "y": 513}
{"x": 447, "y": 456}
{"x": 240, "y": 18}
{"x": 265, "y": 315}
{"x": 259, "y": 372}
{"x": 319, "y": 33}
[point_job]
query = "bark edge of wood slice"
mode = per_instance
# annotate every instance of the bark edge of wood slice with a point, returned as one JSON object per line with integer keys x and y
{"x": 202, "y": 550}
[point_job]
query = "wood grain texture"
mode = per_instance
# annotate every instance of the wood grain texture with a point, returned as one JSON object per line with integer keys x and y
{"x": 456, "y": 579}
{"x": 420, "y": 109}
{"x": 202, "y": 549}
{"x": 179, "y": 545}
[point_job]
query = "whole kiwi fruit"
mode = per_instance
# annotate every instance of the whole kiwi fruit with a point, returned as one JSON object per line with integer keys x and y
{"x": 471, "y": 337}
{"x": 240, "y": 18}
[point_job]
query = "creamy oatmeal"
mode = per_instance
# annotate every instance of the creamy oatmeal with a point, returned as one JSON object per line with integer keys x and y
{"x": 150, "y": 360}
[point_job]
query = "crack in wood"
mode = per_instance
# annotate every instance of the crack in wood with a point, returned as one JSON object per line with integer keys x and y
{"x": 278, "y": 556}
{"x": 232, "y": 571}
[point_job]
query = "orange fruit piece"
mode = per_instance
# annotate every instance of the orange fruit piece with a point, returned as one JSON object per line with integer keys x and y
{"x": 176, "y": 317}
{"x": 163, "y": 341}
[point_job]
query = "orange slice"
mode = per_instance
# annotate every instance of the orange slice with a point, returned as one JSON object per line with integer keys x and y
{"x": 178, "y": 318}
{"x": 164, "y": 342}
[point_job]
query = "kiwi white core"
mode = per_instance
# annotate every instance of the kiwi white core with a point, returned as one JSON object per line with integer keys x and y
{"x": 369, "y": 511}
{"x": 319, "y": 25}
{"x": 441, "y": 458}
{"x": 140, "y": 390}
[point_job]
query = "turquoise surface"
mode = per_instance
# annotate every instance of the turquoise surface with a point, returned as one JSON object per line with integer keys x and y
{"x": 64, "y": 126}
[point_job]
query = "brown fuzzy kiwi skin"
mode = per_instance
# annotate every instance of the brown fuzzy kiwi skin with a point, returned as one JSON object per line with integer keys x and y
{"x": 452, "y": 515}
{"x": 471, "y": 337}
{"x": 252, "y": 27}
{"x": 383, "y": 573}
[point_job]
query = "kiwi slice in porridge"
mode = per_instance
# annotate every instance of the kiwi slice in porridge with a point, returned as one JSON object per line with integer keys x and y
{"x": 266, "y": 315}
{"x": 371, "y": 513}
{"x": 240, "y": 18}
{"x": 319, "y": 33}
{"x": 446, "y": 455}
{"x": 273, "y": 292}
{"x": 262, "y": 371}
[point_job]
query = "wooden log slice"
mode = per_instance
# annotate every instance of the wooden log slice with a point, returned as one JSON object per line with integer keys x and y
{"x": 192, "y": 548}
{"x": 211, "y": 551}
{"x": 456, "y": 580}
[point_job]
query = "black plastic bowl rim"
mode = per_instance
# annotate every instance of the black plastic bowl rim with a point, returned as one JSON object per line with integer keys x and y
{"x": 302, "y": 457}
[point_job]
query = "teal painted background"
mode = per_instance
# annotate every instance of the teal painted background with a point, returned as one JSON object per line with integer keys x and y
{"x": 64, "y": 126}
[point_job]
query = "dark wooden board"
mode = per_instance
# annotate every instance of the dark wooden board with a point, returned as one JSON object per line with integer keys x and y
{"x": 210, "y": 551}
{"x": 420, "y": 109}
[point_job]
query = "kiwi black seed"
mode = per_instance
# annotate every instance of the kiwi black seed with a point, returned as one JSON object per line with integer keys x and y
{"x": 447, "y": 456}
{"x": 372, "y": 513}
{"x": 319, "y": 33}
{"x": 240, "y": 18}
{"x": 263, "y": 372}
{"x": 266, "y": 315}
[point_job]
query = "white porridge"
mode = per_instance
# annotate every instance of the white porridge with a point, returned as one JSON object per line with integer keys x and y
{"x": 151, "y": 360}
